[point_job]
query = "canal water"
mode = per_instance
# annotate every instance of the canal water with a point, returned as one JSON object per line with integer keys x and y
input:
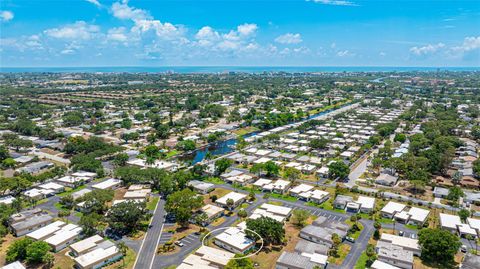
{"x": 227, "y": 146}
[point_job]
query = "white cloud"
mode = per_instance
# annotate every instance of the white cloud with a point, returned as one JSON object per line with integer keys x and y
{"x": 80, "y": 30}
{"x": 124, "y": 12}
{"x": 469, "y": 43}
{"x": 117, "y": 34}
{"x": 428, "y": 49}
{"x": 6, "y": 15}
{"x": 67, "y": 52}
{"x": 345, "y": 53}
{"x": 247, "y": 29}
{"x": 95, "y": 2}
{"x": 289, "y": 38}
{"x": 334, "y": 2}
{"x": 240, "y": 39}
{"x": 165, "y": 30}
{"x": 207, "y": 36}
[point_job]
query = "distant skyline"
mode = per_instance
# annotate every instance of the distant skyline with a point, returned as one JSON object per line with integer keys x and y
{"x": 239, "y": 33}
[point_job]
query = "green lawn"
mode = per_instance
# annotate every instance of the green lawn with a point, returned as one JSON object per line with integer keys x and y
{"x": 283, "y": 197}
{"x": 411, "y": 226}
{"x": 171, "y": 153}
{"x": 152, "y": 203}
{"x": 387, "y": 221}
{"x": 357, "y": 233}
{"x": 70, "y": 190}
{"x": 326, "y": 205}
{"x": 362, "y": 261}
{"x": 214, "y": 180}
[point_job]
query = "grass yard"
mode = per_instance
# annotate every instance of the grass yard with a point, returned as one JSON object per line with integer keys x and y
{"x": 283, "y": 197}
{"x": 125, "y": 263}
{"x": 245, "y": 130}
{"x": 70, "y": 190}
{"x": 152, "y": 203}
{"x": 214, "y": 180}
{"x": 218, "y": 221}
{"x": 356, "y": 234}
{"x": 219, "y": 192}
{"x": 5, "y": 243}
{"x": 62, "y": 260}
{"x": 179, "y": 232}
{"x": 171, "y": 153}
{"x": 275, "y": 203}
{"x": 343, "y": 250}
{"x": 362, "y": 261}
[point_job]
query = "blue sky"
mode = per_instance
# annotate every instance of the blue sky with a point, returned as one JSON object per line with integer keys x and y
{"x": 244, "y": 33}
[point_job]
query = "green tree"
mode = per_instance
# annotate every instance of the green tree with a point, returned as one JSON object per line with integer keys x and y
{"x": 18, "y": 249}
{"x": 319, "y": 143}
{"x": 36, "y": 252}
{"x": 120, "y": 159}
{"x": 90, "y": 223}
{"x": 438, "y": 246}
{"x": 454, "y": 193}
{"x": 338, "y": 169}
{"x": 463, "y": 214}
{"x": 270, "y": 230}
{"x": 291, "y": 174}
{"x": 222, "y": 165}
{"x": 300, "y": 217}
{"x": 400, "y": 138}
{"x": 181, "y": 204}
{"x": 245, "y": 263}
{"x": 126, "y": 217}
{"x": 271, "y": 168}
{"x": 242, "y": 213}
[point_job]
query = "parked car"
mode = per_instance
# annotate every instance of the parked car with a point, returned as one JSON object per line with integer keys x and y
{"x": 178, "y": 243}
{"x": 350, "y": 239}
{"x": 413, "y": 236}
{"x": 464, "y": 249}
{"x": 401, "y": 233}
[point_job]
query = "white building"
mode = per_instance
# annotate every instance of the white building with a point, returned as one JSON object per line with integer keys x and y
{"x": 392, "y": 208}
{"x": 236, "y": 197}
{"x": 109, "y": 184}
{"x": 234, "y": 240}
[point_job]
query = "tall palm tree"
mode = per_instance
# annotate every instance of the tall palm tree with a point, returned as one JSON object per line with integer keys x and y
{"x": 123, "y": 249}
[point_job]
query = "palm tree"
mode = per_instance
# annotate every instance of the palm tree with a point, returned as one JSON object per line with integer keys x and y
{"x": 123, "y": 249}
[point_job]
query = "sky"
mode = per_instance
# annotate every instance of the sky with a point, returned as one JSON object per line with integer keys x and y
{"x": 56, "y": 33}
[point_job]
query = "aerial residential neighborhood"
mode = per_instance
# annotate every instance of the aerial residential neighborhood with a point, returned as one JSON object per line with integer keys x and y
{"x": 234, "y": 134}
{"x": 333, "y": 176}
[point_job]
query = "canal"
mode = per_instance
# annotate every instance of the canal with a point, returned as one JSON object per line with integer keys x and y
{"x": 228, "y": 146}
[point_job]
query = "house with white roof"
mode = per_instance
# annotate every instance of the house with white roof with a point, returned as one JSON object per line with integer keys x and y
{"x": 392, "y": 208}
{"x": 56, "y": 188}
{"x": 279, "y": 186}
{"x": 103, "y": 253}
{"x": 234, "y": 239}
{"x": 206, "y": 258}
{"x": 367, "y": 204}
{"x": 276, "y": 212}
{"x": 295, "y": 191}
{"x": 109, "y": 184}
{"x": 450, "y": 222}
{"x": 213, "y": 212}
{"x": 14, "y": 265}
{"x": 475, "y": 224}
{"x": 64, "y": 237}
{"x": 236, "y": 197}
{"x": 262, "y": 182}
{"x": 316, "y": 196}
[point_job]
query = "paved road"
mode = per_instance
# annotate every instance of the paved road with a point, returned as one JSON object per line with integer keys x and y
{"x": 149, "y": 245}
{"x": 193, "y": 241}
